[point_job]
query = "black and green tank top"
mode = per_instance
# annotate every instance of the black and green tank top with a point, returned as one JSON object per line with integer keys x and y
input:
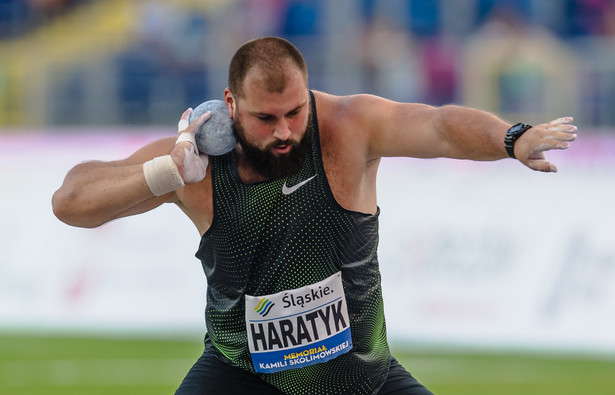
{"x": 293, "y": 284}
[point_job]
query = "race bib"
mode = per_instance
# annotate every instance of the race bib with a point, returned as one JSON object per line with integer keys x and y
{"x": 299, "y": 327}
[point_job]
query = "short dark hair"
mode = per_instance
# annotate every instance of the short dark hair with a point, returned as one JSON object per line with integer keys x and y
{"x": 272, "y": 56}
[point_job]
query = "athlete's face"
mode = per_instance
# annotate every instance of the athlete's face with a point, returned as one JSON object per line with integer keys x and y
{"x": 272, "y": 128}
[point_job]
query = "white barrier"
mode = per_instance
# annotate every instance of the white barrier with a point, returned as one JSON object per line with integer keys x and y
{"x": 471, "y": 253}
{"x": 137, "y": 274}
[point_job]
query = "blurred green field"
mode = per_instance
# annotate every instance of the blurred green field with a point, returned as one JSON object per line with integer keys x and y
{"x": 72, "y": 365}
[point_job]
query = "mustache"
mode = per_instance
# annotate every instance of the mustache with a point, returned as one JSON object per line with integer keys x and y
{"x": 282, "y": 143}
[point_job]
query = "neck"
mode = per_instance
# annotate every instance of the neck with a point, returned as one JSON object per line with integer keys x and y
{"x": 246, "y": 172}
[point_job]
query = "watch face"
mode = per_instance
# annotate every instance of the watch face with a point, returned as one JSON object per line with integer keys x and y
{"x": 512, "y": 135}
{"x": 516, "y": 128}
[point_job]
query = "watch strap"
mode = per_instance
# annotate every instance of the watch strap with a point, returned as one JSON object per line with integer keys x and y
{"x": 512, "y": 135}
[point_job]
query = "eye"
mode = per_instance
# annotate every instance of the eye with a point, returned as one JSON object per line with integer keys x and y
{"x": 293, "y": 112}
{"x": 265, "y": 118}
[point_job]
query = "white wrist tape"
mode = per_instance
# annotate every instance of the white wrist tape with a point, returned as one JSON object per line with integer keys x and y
{"x": 182, "y": 125}
{"x": 162, "y": 175}
{"x": 189, "y": 137}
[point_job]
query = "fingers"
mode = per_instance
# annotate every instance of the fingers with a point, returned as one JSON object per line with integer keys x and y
{"x": 182, "y": 125}
{"x": 183, "y": 122}
{"x": 191, "y": 165}
{"x": 197, "y": 123}
{"x": 187, "y": 113}
{"x": 189, "y": 138}
{"x": 187, "y": 131}
{"x": 202, "y": 119}
{"x": 542, "y": 165}
{"x": 562, "y": 120}
{"x": 554, "y": 135}
{"x": 567, "y": 131}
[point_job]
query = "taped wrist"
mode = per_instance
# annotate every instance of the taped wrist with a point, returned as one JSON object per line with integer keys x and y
{"x": 162, "y": 175}
{"x": 189, "y": 137}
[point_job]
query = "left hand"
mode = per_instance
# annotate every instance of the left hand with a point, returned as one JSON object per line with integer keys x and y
{"x": 531, "y": 146}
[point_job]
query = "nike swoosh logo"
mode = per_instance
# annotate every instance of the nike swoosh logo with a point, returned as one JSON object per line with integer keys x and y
{"x": 286, "y": 190}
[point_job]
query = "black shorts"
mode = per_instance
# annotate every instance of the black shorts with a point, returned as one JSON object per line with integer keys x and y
{"x": 211, "y": 376}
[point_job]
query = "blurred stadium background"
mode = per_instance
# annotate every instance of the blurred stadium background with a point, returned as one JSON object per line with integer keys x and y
{"x": 497, "y": 279}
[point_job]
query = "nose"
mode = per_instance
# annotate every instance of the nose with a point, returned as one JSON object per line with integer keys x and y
{"x": 281, "y": 131}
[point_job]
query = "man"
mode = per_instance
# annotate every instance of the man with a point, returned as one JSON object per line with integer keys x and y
{"x": 289, "y": 220}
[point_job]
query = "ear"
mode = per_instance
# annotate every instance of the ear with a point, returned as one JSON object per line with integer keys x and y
{"x": 229, "y": 100}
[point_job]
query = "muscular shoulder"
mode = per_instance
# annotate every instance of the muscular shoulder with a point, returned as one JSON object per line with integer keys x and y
{"x": 374, "y": 127}
{"x": 338, "y": 111}
{"x": 341, "y": 123}
{"x": 359, "y": 120}
{"x": 345, "y": 151}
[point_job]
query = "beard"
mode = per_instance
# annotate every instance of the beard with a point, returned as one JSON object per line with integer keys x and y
{"x": 265, "y": 162}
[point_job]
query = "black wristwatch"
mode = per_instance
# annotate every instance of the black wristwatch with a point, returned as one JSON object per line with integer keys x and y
{"x": 512, "y": 135}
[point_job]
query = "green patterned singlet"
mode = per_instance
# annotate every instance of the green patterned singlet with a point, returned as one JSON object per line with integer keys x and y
{"x": 267, "y": 255}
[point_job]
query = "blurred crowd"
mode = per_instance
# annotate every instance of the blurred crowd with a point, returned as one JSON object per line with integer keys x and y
{"x": 19, "y": 17}
{"x": 519, "y": 57}
{"x": 422, "y": 18}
